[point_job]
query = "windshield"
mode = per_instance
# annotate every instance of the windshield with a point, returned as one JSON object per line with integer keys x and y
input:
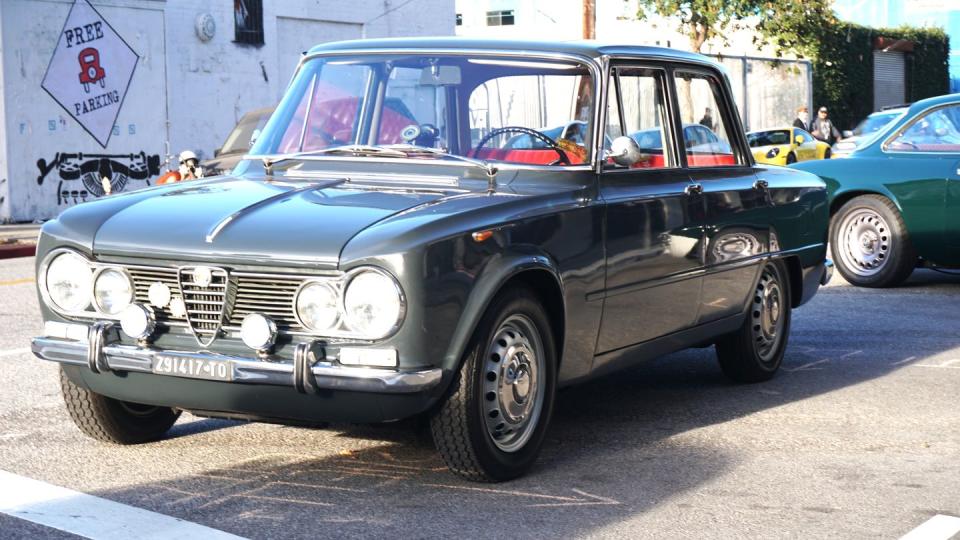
{"x": 768, "y": 138}
{"x": 874, "y": 123}
{"x": 485, "y": 107}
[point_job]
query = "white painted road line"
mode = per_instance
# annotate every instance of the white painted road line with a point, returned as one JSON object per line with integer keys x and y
{"x": 939, "y": 527}
{"x": 89, "y": 516}
{"x": 14, "y": 352}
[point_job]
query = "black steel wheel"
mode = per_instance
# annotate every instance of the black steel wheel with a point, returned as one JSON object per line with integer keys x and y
{"x": 492, "y": 424}
{"x": 870, "y": 243}
{"x": 755, "y": 351}
{"x": 114, "y": 421}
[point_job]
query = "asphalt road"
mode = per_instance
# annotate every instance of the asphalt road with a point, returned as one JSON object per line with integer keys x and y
{"x": 856, "y": 437}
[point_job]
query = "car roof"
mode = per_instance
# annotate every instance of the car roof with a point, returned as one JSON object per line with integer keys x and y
{"x": 933, "y": 102}
{"x": 585, "y": 48}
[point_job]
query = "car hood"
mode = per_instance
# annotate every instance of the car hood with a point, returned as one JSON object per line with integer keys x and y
{"x": 249, "y": 219}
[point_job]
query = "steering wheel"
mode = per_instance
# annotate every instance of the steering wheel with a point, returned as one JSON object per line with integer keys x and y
{"x": 551, "y": 144}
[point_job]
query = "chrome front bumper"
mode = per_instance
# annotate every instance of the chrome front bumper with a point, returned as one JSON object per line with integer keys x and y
{"x": 97, "y": 353}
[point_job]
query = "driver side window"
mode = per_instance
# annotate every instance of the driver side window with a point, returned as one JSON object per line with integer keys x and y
{"x": 547, "y": 109}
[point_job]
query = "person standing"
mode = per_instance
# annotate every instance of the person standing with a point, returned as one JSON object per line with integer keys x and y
{"x": 707, "y": 120}
{"x": 823, "y": 129}
{"x": 802, "y": 120}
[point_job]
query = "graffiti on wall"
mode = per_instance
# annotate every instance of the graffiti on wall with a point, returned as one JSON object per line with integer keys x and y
{"x": 85, "y": 176}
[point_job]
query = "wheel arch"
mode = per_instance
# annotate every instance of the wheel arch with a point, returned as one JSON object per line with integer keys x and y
{"x": 534, "y": 272}
{"x": 795, "y": 275}
{"x": 840, "y": 199}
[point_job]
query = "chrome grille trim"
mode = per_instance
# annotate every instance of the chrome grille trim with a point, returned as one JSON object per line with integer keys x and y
{"x": 198, "y": 297}
{"x": 249, "y": 292}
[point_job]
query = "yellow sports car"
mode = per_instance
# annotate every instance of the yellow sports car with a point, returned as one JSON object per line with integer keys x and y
{"x": 783, "y": 146}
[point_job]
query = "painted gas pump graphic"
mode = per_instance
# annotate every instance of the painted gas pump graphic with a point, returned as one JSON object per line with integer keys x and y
{"x": 90, "y": 70}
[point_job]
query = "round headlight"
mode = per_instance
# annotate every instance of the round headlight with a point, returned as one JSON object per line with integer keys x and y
{"x": 773, "y": 152}
{"x": 372, "y": 304}
{"x": 318, "y": 306}
{"x": 112, "y": 291}
{"x": 68, "y": 281}
{"x": 258, "y": 331}
{"x": 138, "y": 321}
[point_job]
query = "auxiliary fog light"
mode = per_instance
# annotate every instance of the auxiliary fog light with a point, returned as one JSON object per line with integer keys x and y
{"x": 138, "y": 321}
{"x": 258, "y": 331}
{"x": 350, "y": 356}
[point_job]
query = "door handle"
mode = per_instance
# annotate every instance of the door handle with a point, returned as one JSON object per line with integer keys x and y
{"x": 761, "y": 185}
{"x": 693, "y": 189}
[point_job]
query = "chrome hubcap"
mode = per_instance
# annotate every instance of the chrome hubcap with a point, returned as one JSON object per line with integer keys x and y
{"x": 865, "y": 242}
{"x": 768, "y": 310}
{"x": 512, "y": 396}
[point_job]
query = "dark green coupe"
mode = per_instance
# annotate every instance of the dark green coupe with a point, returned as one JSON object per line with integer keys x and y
{"x": 438, "y": 227}
{"x": 895, "y": 201}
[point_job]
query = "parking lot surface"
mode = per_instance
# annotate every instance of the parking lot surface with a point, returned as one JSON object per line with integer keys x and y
{"x": 856, "y": 437}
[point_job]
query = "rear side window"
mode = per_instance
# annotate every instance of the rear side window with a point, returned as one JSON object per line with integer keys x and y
{"x": 707, "y": 140}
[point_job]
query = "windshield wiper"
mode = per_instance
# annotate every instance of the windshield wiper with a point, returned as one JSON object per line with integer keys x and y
{"x": 412, "y": 149}
{"x": 388, "y": 150}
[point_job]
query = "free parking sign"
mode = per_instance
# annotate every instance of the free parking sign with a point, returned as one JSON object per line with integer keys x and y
{"x": 90, "y": 71}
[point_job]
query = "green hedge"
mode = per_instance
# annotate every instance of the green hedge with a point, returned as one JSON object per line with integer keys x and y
{"x": 843, "y": 68}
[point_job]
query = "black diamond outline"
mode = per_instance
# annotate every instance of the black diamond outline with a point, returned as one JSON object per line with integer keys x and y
{"x": 125, "y": 91}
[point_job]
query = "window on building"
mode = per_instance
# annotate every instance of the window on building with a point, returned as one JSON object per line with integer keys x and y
{"x": 503, "y": 17}
{"x": 248, "y": 21}
{"x": 459, "y": 19}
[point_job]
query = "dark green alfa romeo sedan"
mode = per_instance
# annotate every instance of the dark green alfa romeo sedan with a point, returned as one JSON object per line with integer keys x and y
{"x": 437, "y": 227}
{"x": 895, "y": 201}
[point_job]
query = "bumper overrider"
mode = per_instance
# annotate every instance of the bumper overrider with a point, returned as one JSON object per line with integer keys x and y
{"x": 101, "y": 352}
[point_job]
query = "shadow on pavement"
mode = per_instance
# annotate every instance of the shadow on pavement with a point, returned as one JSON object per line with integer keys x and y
{"x": 617, "y": 448}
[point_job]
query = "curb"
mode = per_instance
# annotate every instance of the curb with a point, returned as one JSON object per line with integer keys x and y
{"x": 10, "y": 251}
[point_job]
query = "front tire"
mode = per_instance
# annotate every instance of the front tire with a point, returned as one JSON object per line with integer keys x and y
{"x": 114, "y": 421}
{"x": 870, "y": 242}
{"x": 492, "y": 425}
{"x": 827, "y": 154}
{"x": 791, "y": 158}
{"x": 755, "y": 351}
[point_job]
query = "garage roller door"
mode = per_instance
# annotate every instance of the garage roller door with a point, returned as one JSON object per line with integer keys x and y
{"x": 888, "y": 79}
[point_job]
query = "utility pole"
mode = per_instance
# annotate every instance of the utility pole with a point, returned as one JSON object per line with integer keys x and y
{"x": 589, "y": 19}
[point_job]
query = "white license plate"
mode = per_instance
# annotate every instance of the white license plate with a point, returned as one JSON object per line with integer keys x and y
{"x": 194, "y": 368}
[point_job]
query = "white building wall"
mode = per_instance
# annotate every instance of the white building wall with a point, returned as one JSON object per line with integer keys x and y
{"x": 185, "y": 91}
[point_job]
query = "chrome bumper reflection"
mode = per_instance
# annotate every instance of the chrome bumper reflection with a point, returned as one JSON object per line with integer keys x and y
{"x": 325, "y": 375}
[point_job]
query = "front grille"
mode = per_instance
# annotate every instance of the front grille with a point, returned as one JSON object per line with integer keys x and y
{"x": 237, "y": 295}
{"x": 268, "y": 295}
{"x": 205, "y": 299}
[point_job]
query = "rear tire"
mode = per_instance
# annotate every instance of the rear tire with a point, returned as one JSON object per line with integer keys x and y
{"x": 493, "y": 423}
{"x": 755, "y": 351}
{"x": 114, "y": 421}
{"x": 870, "y": 242}
{"x": 827, "y": 154}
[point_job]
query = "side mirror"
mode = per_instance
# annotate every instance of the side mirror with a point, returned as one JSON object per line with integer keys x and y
{"x": 625, "y": 151}
{"x": 801, "y": 139}
{"x": 847, "y": 133}
{"x": 216, "y": 152}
